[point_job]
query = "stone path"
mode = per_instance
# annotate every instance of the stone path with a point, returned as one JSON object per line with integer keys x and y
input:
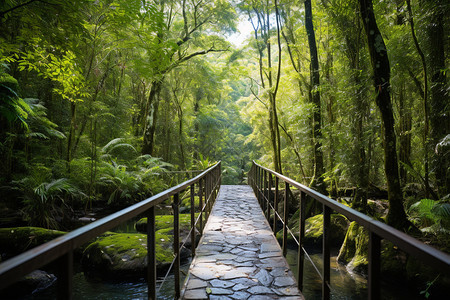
{"x": 238, "y": 256}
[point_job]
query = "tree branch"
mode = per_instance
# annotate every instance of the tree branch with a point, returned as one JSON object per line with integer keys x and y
{"x": 16, "y": 7}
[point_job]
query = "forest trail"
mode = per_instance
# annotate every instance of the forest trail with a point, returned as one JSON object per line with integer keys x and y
{"x": 238, "y": 256}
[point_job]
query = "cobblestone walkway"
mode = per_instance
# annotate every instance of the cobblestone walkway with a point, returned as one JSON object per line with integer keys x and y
{"x": 238, "y": 256}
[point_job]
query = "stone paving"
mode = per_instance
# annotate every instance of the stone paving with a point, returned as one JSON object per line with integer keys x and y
{"x": 238, "y": 256}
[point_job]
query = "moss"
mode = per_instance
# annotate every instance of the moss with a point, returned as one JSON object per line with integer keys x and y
{"x": 16, "y": 240}
{"x": 314, "y": 229}
{"x": 164, "y": 222}
{"x": 186, "y": 202}
{"x": 355, "y": 248}
{"x": 123, "y": 255}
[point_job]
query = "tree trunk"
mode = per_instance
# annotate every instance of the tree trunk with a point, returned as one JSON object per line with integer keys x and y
{"x": 405, "y": 133}
{"x": 317, "y": 181}
{"x": 380, "y": 64}
{"x": 425, "y": 99}
{"x": 439, "y": 108}
{"x": 150, "y": 126}
{"x": 71, "y": 134}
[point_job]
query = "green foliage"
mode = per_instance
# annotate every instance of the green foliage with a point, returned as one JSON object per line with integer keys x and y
{"x": 121, "y": 185}
{"x": 12, "y": 107}
{"x": 46, "y": 204}
{"x": 430, "y": 215}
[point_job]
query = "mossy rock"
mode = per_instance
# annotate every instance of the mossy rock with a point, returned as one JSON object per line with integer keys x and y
{"x": 314, "y": 229}
{"x": 16, "y": 240}
{"x": 355, "y": 249}
{"x": 353, "y": 252}
{"x": 186, "y": 203}
{"x": 164, "y": 222}
{"x": 124, "y": 255}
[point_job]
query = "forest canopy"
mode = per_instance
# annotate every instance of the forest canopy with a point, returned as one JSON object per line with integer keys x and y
{"x": 101, "y": 102}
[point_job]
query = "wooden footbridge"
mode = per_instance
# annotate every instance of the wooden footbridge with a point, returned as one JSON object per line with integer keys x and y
{"x": 238, "y": 256}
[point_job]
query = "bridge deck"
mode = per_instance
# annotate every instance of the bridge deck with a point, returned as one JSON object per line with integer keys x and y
{"x": 238, "y": 256}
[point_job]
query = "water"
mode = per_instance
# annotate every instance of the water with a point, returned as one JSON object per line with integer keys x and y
{"x": 344, "y": 285}
{"x": 84, "y": 289}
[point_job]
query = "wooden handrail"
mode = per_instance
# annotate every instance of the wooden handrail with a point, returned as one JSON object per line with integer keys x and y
{"x": 62, "y": 247}
{"x": 377, "y": 231}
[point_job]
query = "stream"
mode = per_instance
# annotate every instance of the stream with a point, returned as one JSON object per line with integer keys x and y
{"x": 344, "y": 285}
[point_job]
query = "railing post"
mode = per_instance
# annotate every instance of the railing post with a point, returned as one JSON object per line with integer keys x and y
{"x": 65, "y": 276}
{"x": 301, "y": 238}
{"x": 151, "y": 254}
{"x": 257, "y": 185}
{"x": 264, "y": 191}
{"x": 275, "y": 206}
{"x": 374, "y": 265}
{"x": 200, "y": 200}
{"x": 269, "y": 194}
{"x": 326, "y": 252}
{"x": 176, "y": 243}
{"x": 193, "y": 219}
{"x": 206, "y": 197}
{"x": 285, "y": 217}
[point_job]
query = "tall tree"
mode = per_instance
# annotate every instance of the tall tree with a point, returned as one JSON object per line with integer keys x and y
{"x": 345, "y": 17}
{"x": 381, "y": 73}
{"x": 260, "y": 17}
{"x": 439, "y": 98}
{"x": 176, "y": 44}
{"x": 319, "y": 170}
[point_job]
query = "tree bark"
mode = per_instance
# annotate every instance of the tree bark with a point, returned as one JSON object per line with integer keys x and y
{"x": 425, "y": 98}
{"x": 317, "y": 181}
{"x": 380, "y": 64}
{"x": 150, "y": 124}
{"x": 439, "y": 108}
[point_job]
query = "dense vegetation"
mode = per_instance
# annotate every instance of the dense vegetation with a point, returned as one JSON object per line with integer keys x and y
{"x": 101, "y": 101}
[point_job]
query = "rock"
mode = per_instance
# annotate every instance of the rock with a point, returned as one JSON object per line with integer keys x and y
{"x": 165, "y": 222}
{"x": 16, "y": 240}
{"x": 314, "y": 229}
{"x": 123, "y": 255}
{"x": 164, "y": 225}
{"x": 34, "y": 282}
{"x": 354, "y": 250}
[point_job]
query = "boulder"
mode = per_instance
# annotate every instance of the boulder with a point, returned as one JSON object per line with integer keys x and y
{"x": 354, "y": 249}
{"x": 164, "y": 226}
{"x": 354, "y": 253}
{"x": 164, "y": 222}
{"x": 34, "y": 282}
{"x": 16, "y": 240}
{"x": 314, "y": 229}
{"x": 124, "y": 255}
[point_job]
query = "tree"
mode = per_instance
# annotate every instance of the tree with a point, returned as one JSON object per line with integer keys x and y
{"x": 381, "y": 71}
{"x": 259, "y": 15}
{"x": 439, "y": 100}
{"x": 317, "y": 181}
{"x": 173, "y": 48}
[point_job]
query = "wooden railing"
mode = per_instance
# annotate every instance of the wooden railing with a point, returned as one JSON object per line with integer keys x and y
{"x": 61, "y": 249}
{"x": 264, "y": 180}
